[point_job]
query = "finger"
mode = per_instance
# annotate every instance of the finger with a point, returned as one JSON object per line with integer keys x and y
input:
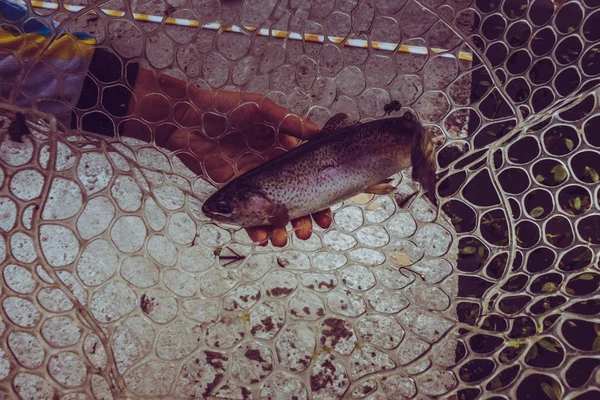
{"x": 225, "y": 101}
{"x": 279, "y": 237}
{"x": 244, "y": 116}
{"x": 190, "y": 162}
{"x": 260, "y": 137}
{"x": 276, "y": 152}
{"x": 199, "y": 144}
{"x": 186, "y": 115}
{"x": 145, "y": 82}
{"x": 259, "y": 235}
{"x": 269, "y": 111}
{"x": 201, "y": 98}
{"x": 288, "y": 142}
{"x": 172, "y": 86}
{"x": 232, "y": 144}
{"x": 219, "y": 169}
{"x": 154, "y": 107}
{"x": 303, "y": 227}
{"x": 299, "y": 127}
{"x": 214, "y": 124}
{"x": 137, "y": 130}
{"x": 247, "y": 162}
{"x": 290, "y": 124}
{"x": 323, "y": 218}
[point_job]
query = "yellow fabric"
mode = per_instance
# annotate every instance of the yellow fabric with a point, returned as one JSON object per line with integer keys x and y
{"x": 66, "y": 47}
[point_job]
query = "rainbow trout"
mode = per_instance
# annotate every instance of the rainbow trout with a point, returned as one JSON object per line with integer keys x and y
{"x": 347, "y": 158}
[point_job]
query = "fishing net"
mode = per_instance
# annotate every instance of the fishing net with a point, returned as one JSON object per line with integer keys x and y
{"x": 115, "y": 285}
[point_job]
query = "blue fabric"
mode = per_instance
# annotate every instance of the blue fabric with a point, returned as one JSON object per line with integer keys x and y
{"x": 53, "y": 85}
{"x": 11, "y": 11}
{"x": 16, "y": 14}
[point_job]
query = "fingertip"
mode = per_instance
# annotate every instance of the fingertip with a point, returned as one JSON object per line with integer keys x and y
{"x": 279, "y": 237}
{"x": 311, "y": 129}
{"x": 323, "y": 218}
{"x": 258, "y": 235}
{"x": 288, "y": 142}
{"x": 302, "y": 227}
{"x": 274, "y": 153}
{"x": 291, "y": 125}
{"x": 298, "y": 127}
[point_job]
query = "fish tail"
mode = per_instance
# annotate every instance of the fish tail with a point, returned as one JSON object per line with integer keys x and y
{"x": 423, "y": 162}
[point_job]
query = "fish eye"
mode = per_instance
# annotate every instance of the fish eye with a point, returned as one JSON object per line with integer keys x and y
{"x": 222, "y": 207}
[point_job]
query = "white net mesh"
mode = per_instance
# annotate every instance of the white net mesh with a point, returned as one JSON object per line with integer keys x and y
{"x": 115, "y": 284}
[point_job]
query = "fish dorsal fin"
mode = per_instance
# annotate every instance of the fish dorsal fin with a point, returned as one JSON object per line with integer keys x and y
{"x": 337, "y": 122}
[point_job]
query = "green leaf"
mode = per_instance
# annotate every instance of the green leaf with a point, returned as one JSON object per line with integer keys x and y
{"x": 516, "y": 343}
{"x": 586, "y": 256}
{"x": 495, "y": 383}
{"x": 456, "y": 220}
{"x": 531, "y": 354}
{"x": 547, "y": 345}
{"x": 536, "y": 212}
{"x": 596, "y": 345}
{"x": 557, "y": 389}
{"x": 586, "y": 277}
{"x": 468, "y": 250}
{"x": 597, "y": 329}
{"x": 560, "y": 173}
{"x": 549, "y": 391}
{"x": 481, "y": 251}
{"x": 577, "y": 203}
{"x": 592, "y": 173}
{"x": 569, "y": 144}
{"x": 549, "y": 287}
{"x": 539, "y": 178}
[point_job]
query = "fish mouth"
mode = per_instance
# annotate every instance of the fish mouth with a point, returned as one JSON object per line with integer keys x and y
{"x": 218, "y": 210}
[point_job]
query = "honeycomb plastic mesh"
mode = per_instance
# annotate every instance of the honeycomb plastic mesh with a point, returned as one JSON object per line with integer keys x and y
{"x": 115, "y": 285}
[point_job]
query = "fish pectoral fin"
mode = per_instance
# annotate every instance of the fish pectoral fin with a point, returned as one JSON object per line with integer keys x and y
{"x": 382, "y": 187}
{"x": 337, "y": 122}
{"x": 402, "y": 201}
{"x": 280, "y": 218}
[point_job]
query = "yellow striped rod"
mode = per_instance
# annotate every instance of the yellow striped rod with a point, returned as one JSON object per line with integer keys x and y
{"x": 360, "y": 43}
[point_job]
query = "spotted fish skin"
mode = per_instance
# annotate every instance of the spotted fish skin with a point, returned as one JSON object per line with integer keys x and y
{"x": 334, "y": 167}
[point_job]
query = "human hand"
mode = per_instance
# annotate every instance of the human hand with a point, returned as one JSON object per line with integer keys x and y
{"x": 241, "y": 131}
